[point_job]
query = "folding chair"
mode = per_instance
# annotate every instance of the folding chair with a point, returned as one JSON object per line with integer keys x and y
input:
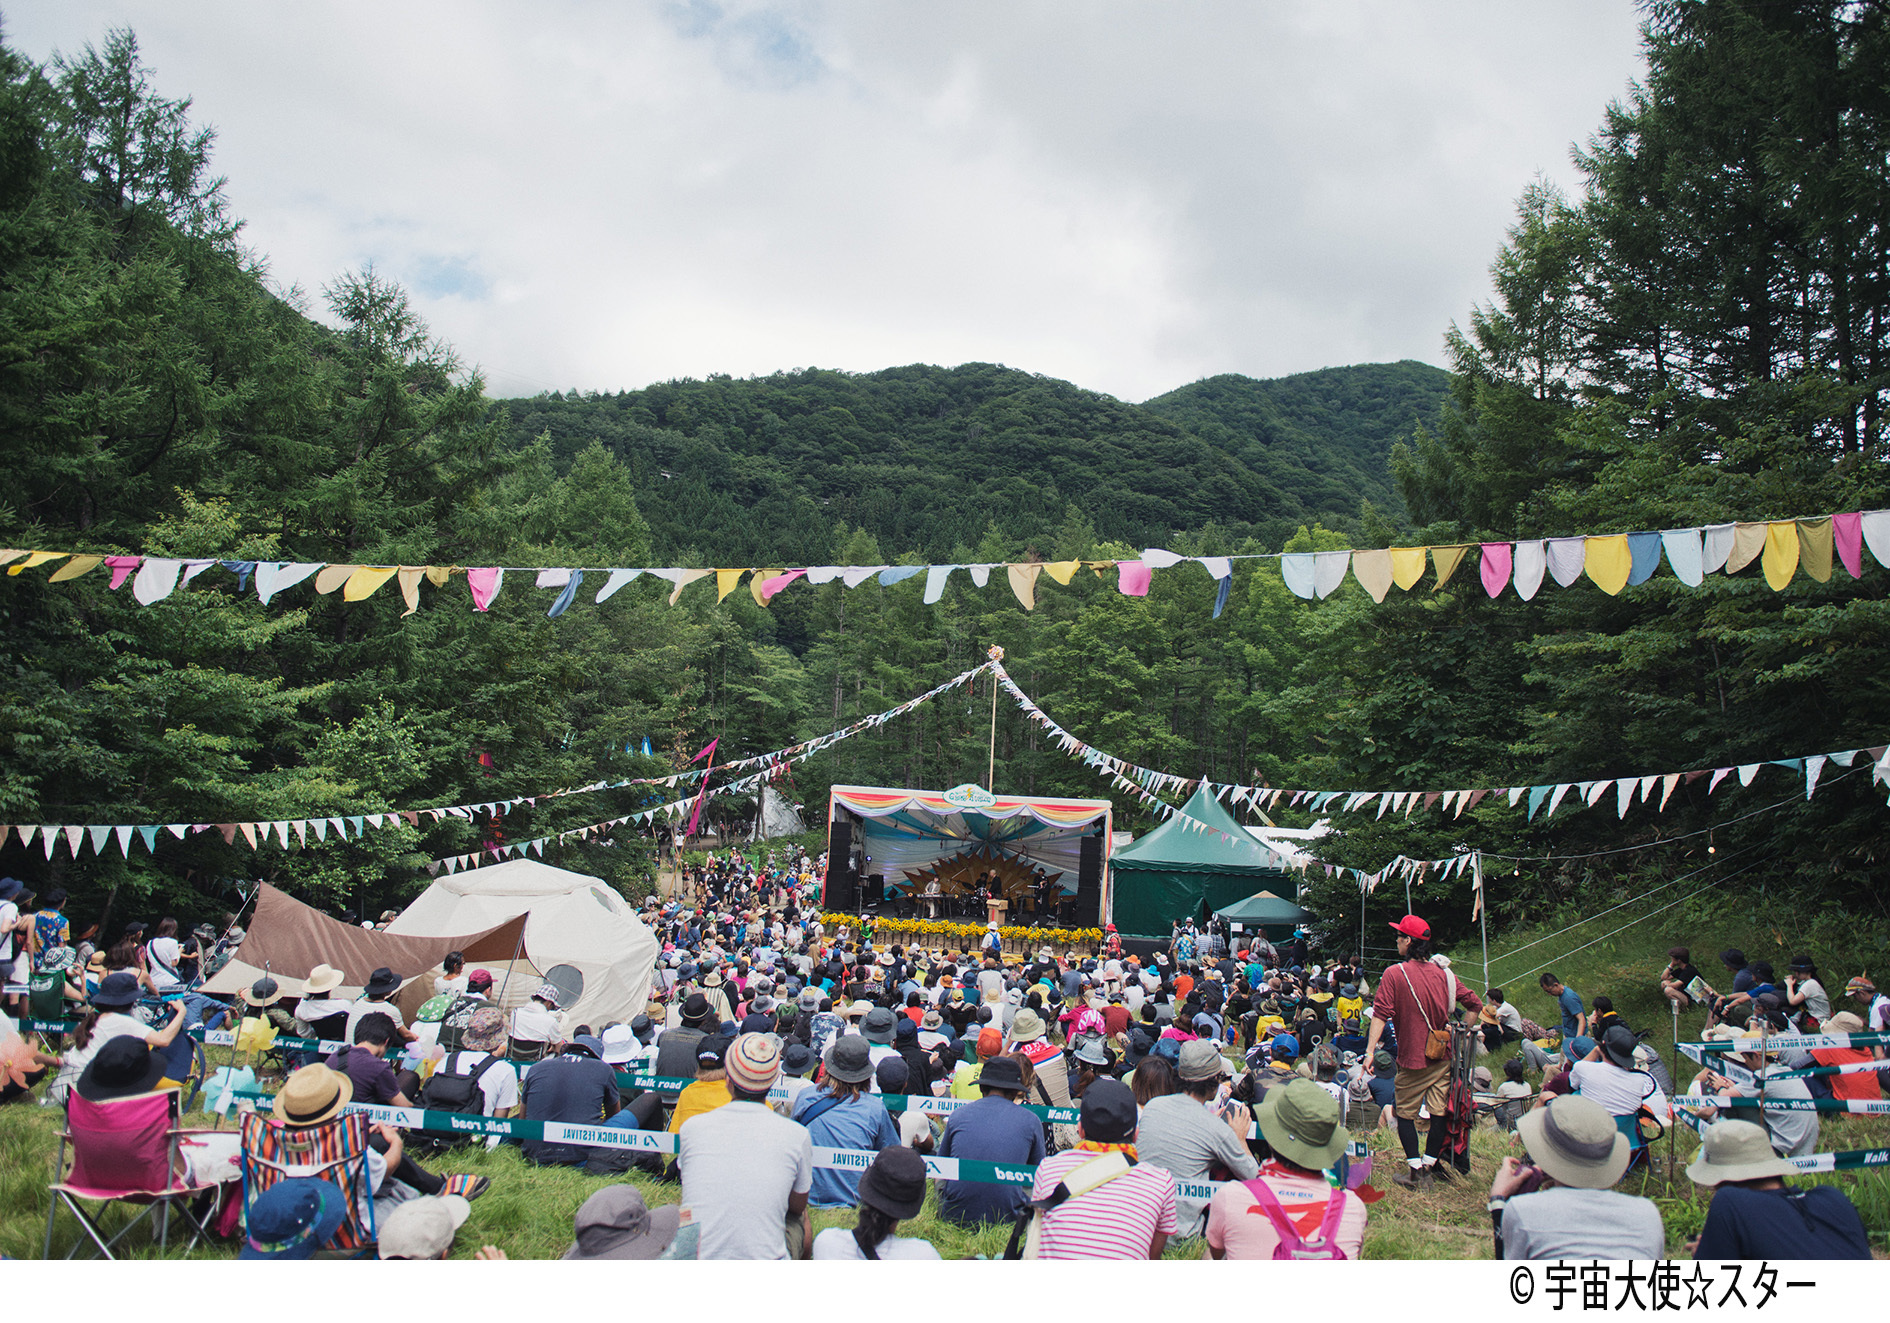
{"x": 334, "y": 1151}
{"x": 125, "y": 1150}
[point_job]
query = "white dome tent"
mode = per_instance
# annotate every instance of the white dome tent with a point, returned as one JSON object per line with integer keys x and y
{"x": 572, "y": 919}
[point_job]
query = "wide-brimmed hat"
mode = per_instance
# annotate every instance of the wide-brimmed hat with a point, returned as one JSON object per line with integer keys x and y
{"x": 1091, "y": 1049}
{"x": 895, "y": 1182}
{"x": 849, "y": 1059}
{"x": 696, "y": 1011}
{"x": 878, "y": 1026}
{"x": 1001, "y": 1073}
{"x": 116, "y": 991}
{"x": 485, "y": 1031}
{"x": 1027, "y": 1027}
{"x": 797, "y": 1058}
{"x": 1300, "y": 1122}
{"x": 1618, "y": 1045}
{"x": 312, "y": 1095}
{"x": 1574, "y": 1140}
{"x": 123, "y": 1067}
{"x": 1844, "y": 1022}
{"x": 1200, "y": 1060}
{"x": 381, "y": 982}
{"x": 932, "y": 1020}
{"x": 548, "y": 994}
{"x": 858, "y": 1008}
{"x": 10, "y": 888}
{"x": 809, "y": 1000}
{"x": 294, "y": 1218}
{"x": 1140, "y": 1044}
{"x": 422, "y": 1228}
{"x": 616, "y": 1223}
{"x": 265, "y": 991}
{"x": 1736, "y": 1151}
{"x": 322, "y": 978}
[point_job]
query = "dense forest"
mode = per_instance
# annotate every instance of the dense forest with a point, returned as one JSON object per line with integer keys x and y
{"x": 1700, "y": 336}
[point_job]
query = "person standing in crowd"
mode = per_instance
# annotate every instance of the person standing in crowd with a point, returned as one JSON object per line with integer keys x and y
{"x": 746, "y": 1171}
{"x": 1756, "y": 1215}
{"x": 993, "y": 1129}
{"x": 1562, "y": 1207}
{"x": 1415, "y": 997}
{"x": 1131, "y": 1213}
{"x": 1189, "y": 1133}
{"x": 1300, "y": 1123}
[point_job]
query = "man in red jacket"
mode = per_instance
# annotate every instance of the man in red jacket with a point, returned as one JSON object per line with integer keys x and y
{"x": 1415, "y": 995}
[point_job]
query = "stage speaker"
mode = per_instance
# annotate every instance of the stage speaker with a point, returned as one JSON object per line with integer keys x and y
{"x": 841, "y": 895}
{"x": 873, "y": 895}
{"x": 1089, "y": 882}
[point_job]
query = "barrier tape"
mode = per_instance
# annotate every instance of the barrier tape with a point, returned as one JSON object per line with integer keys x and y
{"x": 1772, "y": 1042}
{"x": 1858, "y": 1106}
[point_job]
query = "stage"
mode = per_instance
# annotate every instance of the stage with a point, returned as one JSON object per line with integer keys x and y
{"x": 923, "y": 854}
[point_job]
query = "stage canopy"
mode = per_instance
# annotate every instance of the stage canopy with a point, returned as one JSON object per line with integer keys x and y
{"x": 1178, "y": 871}
{"x": 905, "y": 832}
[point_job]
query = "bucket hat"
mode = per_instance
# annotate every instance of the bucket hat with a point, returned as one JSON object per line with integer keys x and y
{"x": 878, "y": 1027}
{"x": 616, "y": 1223}
{"x": 1027, "y": 1027}
{"x": 294, "y": 1218}
{"x": 1301, "y": 1123}
{"x": 116, "y": 991}
{"x": 1736, "y": 1151}
{"x": 1574, "y": 1140}
{"x": 849, "y": 1060}
{"x": 485, "y": 1031}
{"x": 1200, "y": 1060}
{"x": 895, "y": 1182}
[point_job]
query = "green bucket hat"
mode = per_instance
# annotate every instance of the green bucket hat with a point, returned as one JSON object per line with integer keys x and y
{"x": 1300, "y": 1122}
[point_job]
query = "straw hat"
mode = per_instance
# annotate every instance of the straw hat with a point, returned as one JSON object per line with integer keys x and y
{"x": 1736, "y": 1151}
{"x": 312, "y": 1095}
{"x": 1574, "y": 1140}
{"x": 322, "y": 978}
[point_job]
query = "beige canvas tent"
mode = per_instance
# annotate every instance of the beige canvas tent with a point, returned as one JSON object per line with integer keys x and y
{"x": 570, "y": 919}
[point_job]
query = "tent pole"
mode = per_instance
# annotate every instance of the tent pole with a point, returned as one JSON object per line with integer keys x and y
{"x": 1483, "y": 913}
{"x": 990, "y": 775}
{"x": 516, "y": 948}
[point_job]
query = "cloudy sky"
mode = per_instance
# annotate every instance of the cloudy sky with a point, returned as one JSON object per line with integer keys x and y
{"x": 1129, "y": 196}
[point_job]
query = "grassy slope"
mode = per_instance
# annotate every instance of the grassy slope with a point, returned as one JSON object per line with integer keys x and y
{"x": 528, "y": 1212}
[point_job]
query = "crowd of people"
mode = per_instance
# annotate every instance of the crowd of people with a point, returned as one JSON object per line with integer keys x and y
{"x": 1215, "y": 1088}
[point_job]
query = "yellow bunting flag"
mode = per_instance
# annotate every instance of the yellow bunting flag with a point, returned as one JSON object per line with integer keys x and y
{"x": 410, "y": 576}
{"x": 437, "y": 575}
{"x": 1062, "y": 570}
{"x": 754, "y": 584}
{"x": 1024, "y": 583}
{"x": 1446, "y": 559}
{"x": 332, "y": 577}
{"x": 1407, "y": 565}
{"x": 1814, "y": 548}
{"x": 1748, "y": 542}
{"x": 73, "y": 568}
{"x": 1372, "y": 569}
{"x": 684, "y": 578}
{"x": 362, "y": 583}
{"x": 1781, "y": 554}
{"x": 725, "y": 581}
{"x": 1608, "y": 562}
{"x": 35, "y": 558}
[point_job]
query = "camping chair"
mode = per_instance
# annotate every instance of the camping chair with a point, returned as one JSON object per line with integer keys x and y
{"x": 123, "y": 1150}
{"x": 526, "y": 1051}
{"x": 334, "y": 1151}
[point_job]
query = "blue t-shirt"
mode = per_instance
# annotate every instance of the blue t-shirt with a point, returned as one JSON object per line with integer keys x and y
{"x": 989, "y": 1130}
{"x": 859, "y": 1123}
{"x": 1384, "y": 1090}
{"x": 1814, "y": 1223}
{"x": 1571, "y": 1004}
{"x": 571, "y": 1088}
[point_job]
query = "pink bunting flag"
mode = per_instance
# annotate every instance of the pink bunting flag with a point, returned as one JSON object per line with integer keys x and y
{"x": 1134, "y": 577}
{"x": 121, "y": 567}
{"x": 1496, "y": 567}
{"x": 769, "y": 587}
{"x": 485, "y": 584}
{"x": 1847, "y": 530}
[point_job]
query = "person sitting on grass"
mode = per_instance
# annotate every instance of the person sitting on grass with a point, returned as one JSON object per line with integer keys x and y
{"x": 746, "y": 1171}
{"x": 1189, "y": 1135}
{"x": 1852, "y": 1086}
{"x": 365, "y": 1064}
{"x": 1678, "y": 976}
{"x": 1300, "y": 1123}
{"x": 843, "y": 1113}
{"x": 1513, "y": 1094}
{"x": 422, "y": 1228}
{"x": 1794, "y": 1133}
{"x": 1756, "y": 1215}
{"x": 993, "y": 1129}
{"x": 891, "y": 1190}
{"x": 1131, "y": 1213}
{"x": 1562, "y": 1207}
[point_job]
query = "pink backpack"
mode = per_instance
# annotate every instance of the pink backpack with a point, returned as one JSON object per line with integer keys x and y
{"x": 1322, "y": 1245}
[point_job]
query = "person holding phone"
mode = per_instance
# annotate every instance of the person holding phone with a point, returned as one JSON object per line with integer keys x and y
{"x": 1559, "y": 1205}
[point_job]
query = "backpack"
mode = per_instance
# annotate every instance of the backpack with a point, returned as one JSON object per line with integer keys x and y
{"x": 458, "y": 1019}
{"x": 448, "y": 1091}
{"x": 1322, "y": 1244}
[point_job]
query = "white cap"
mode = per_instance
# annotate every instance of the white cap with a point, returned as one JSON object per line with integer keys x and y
{"x": 423, "y": 1228}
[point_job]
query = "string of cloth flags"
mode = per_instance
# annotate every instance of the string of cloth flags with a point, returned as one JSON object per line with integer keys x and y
{"x": 1613, "y": 561}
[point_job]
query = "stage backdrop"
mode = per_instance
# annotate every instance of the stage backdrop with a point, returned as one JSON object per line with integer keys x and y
{"x": 903, "y": 831}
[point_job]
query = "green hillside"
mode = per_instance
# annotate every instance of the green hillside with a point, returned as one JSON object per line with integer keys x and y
{"x": 929, "y": 459}
{"x": 1322, "y": 438}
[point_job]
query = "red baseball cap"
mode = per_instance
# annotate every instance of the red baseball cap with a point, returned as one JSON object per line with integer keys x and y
{"x": 1412, "y": 926}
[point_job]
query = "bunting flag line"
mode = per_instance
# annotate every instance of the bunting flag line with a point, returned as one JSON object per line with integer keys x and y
{"x": 1612, "y": 561}
{"x": 257, "y": 834}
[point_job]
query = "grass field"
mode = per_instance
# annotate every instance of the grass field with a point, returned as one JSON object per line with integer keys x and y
{"x": 528, "y": 1211}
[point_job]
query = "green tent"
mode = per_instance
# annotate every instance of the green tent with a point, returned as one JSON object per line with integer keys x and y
{"x": 1264, "y": 910}
{"x": 1179, "y": 871}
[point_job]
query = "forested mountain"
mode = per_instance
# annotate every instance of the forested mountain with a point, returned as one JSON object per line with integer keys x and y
{"x": 1703, "y": 336}
{"x": 928, "y": 459}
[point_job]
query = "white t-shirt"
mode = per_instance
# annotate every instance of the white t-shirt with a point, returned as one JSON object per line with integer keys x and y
{"x": 449, "y": 987}
{"x": 1878, "y": 1020}
{"x": 535, "y": 1022}
{"x": 364, "y": 1008}
{"x": 498, "y": 1085}
{"x": 163, "y": 956}
{"x": 837, "y": 1243}
{"x": 740, "y": 1164}
{"x": 1620, "y": 1091}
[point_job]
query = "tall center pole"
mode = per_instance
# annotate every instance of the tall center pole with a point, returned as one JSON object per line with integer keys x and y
{"x": 1483, "y": 912}
{"x": 990, "y": 774}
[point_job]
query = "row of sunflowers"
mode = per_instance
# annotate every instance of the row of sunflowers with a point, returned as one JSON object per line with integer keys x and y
{"x": 967, "y": 936}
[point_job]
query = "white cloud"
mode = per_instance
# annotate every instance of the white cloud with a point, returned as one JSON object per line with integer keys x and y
{"x": 1129, "y": 196}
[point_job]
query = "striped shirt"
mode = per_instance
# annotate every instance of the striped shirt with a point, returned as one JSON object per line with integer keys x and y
{"x": 1117, "y": 1220}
